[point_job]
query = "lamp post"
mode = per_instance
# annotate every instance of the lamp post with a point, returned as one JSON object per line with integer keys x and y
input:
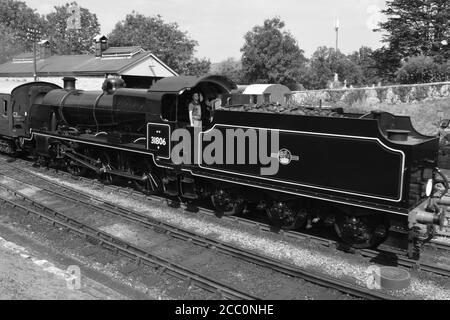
{"x": 33, "y": 34}
{"x": 336, "y": 28}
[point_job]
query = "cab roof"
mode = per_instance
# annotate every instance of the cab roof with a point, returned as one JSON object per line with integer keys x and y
{"x": 180, "y": 83}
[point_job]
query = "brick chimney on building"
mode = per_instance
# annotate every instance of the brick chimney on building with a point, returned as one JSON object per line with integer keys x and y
{"x": 45, "y": 50}
{"x": 101, "y": 44}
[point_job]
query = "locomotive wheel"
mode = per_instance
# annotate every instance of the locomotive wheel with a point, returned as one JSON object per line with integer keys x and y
{"x": 151, "y": 184}
{"x": 226, "y": 203}
{"x": 286, "y": 215}
{"x": 106, "y": 178}
{"x": 361, "y": 232}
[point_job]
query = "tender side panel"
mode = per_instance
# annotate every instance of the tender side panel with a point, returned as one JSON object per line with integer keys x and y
{"x": 346, "y": 165}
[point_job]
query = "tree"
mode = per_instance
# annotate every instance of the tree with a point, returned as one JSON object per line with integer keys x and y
{"x": 325, "y": 63}
{"x": 9, "y": 47}
{"x": 165, "y": 40}
{"x": 417, "y": 27}
{"x": 271, "y": 55}
{"x": 65, "y": 41}
{"x": 15, "y": 18}
{"x": 229, "y": 68}
{"x": 364, "y": 59}
{"x": 198, "y": 67}
{"x": 421, "y": 69}
{"x": 387, "y": 62}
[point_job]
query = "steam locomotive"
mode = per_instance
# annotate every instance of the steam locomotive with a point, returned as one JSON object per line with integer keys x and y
{"x": 365, "y": 175}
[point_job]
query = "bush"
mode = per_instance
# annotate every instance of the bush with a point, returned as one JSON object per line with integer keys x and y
{"x": 355, "y": 96}
{"x": 402, "y": 92}
{"x": 446, "y": 71}
{"x": 381, "y": 94}
{"x": 419, "y": 69}
{"x": 421, "y": 93}
{"x": 336, "y": 95}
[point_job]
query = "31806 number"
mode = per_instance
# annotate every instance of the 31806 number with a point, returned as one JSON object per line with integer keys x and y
{"x": 158, "y": 141}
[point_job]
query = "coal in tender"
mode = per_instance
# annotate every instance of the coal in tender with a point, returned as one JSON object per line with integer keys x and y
{"x": 289, "y": 109}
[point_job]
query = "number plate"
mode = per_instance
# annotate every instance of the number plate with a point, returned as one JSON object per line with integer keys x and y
{"x": 158, "y": 139}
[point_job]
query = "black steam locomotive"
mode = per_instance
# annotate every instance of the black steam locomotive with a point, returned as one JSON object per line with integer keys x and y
{"x": 366, "y": 175}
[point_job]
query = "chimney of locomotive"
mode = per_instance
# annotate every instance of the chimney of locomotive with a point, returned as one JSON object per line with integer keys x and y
{"x": 101, "y": 44}
{"x": 69, "y": 83}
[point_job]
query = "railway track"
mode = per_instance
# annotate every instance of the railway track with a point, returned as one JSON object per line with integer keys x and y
{"x": 71, "y": 194}
{"x": 121, "y": 247}
{"x": 295, "y": 235}
{"x": 384, "y": 255}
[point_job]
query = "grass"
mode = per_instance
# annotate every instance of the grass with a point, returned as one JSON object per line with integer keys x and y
{"x": 425, "y": 115}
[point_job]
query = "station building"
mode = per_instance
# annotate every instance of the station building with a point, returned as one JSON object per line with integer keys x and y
{"x": 137, "y": 67}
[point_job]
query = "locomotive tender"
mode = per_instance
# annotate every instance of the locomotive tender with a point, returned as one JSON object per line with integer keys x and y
{"x": 366, "y": 175}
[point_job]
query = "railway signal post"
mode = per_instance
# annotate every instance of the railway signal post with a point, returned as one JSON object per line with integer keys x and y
{"x": 34, "y": 34}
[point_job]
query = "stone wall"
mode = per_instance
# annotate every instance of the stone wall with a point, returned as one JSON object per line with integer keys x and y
{"x": 374, "y": 95}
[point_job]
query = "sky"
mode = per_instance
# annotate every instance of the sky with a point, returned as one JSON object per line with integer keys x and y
{"x": 219, "y": 26}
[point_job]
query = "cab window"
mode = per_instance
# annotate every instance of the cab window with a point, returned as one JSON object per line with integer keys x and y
{"x": 169, "y": 107}
{"x": 5, "y": 107}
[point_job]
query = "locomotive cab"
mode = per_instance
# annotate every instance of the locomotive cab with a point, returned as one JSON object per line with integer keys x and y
{"x": 174, "y": 94}
{"x": 172, "y": 97}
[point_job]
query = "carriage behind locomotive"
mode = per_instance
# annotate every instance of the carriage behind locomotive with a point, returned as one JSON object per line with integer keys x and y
{"x": 366, "y": 175}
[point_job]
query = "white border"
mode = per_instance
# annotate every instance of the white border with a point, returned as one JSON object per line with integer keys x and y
{"x": 399, "y": 199}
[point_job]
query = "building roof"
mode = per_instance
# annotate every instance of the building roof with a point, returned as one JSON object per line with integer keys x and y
{"x": 121, "y": 50}
{"x": 260, "y": 89}
{"x": 81, "y": 65}
{"x": 25, "y": 55}
{"x": 100, "y": 37}
{"x": 256, "y": 89}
